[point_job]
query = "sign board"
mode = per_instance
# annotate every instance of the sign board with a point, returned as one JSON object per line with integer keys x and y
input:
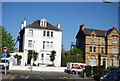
{"x": 4, "y": 55}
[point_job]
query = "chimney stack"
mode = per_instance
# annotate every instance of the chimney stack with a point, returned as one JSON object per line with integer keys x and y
{"x": 82, "y": 26}
{"x": 22, "y": 25}
{"x": 24, "y": 22}
{"x": 58, "y": 25}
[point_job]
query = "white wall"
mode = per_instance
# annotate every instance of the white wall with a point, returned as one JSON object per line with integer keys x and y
{"x": 35, "y": 68}
{"x": 38, "y": 45}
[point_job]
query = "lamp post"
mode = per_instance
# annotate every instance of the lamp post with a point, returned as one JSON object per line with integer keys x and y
{"x": 77, "y": 66}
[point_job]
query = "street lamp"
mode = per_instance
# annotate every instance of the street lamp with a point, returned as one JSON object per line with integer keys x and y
{"x": 77, "y": 65}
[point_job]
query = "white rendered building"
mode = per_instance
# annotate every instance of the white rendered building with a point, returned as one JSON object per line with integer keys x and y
{"x": 42, "y": 37}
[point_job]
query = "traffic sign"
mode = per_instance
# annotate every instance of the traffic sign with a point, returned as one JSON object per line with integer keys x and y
{"x": 4, "y": 55}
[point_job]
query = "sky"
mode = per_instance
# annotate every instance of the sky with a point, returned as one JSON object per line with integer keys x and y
{"x": 96, "y": 15}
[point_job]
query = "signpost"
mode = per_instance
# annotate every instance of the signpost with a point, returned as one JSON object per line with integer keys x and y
{"x": 5, "y": 55}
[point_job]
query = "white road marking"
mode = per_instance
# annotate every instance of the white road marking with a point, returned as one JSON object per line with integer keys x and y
{"x": 40, "y": 77}
{"x": 27, "y": 77}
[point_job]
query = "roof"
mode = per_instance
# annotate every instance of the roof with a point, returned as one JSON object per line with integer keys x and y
{"x": 88, "y": 31}
{"x": 36, "y": 24}
{"x": 100, "y": 33}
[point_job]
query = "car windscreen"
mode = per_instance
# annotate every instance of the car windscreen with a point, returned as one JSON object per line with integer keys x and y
{"x": 111, "y": 74}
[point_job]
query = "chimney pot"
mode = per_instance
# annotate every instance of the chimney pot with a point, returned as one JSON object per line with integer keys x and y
{"x": 82, "y": 26}
{"x": 58, "y": 25}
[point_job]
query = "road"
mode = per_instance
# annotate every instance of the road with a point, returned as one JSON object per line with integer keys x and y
{"x": 45, "y": 76}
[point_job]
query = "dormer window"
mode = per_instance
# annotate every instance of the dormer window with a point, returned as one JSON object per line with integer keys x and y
{"x": 43, "y": 23}
{"x": 93, "y": 39}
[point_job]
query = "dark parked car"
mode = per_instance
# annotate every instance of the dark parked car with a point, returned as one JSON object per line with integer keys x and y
{"x": 111, "y": 76}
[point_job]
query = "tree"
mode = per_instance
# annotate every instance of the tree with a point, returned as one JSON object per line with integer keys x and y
{"x": 18, "y": 58}
{"x": 7, "y": 41}
{"x": 63, "y": 58}
{"x": 32, "y": 54}
{"x": 52, "y": 56}
{"x": 75, "y": 55}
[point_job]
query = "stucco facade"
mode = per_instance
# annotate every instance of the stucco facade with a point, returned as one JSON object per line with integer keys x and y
{"x": 42, "y": 37}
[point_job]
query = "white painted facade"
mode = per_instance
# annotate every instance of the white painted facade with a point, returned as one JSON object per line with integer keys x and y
{"x": 37, "y": 39}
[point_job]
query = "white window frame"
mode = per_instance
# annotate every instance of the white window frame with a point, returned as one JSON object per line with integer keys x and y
{"x": 44, "y": 33}
{"x": 43, "y": 44}
{"x": 30, "y": 43}
{"x": 114, "y": 40}
{"x": 115, "y": 50}
{"x": 93, "y": 39}
{"x": 30, "y": 32}
{"x": 103, "y": 40}
{"x": 51, "y": 33}
{"x": 93, "y": 51}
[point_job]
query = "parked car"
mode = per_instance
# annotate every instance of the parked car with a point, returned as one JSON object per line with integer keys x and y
{"x": 111, "y": 76}
{"x": 75, "y": 67}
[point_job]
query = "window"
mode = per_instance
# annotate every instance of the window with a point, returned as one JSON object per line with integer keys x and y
{"x": 103, "y": 40}
{"x": 51, "y": 45}
{"x": 115, "y": 50}
{"x": 29, "y": 43}
{"x": 93, "y": 39}
{"x": 42, "y": 56}
{"x": 30, "y": 32}
{"x": 92, "y": 49}
{"x": 43, "y": 44}
{"x": 51, "y": 34}
{"x": 43, "y": 23}
{"x": 47, "y": 45}
{"x": 102, "y": 49}
{"x": 114, "y": 40}
{"x": 48, "y": 33}
{"x": 44, "y": 32}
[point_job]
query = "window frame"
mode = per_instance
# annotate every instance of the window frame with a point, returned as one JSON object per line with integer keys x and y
{"x": 30, "y": 43}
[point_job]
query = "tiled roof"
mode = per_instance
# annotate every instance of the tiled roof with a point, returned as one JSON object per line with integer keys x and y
{"x": 36, "y": 24}
{"x": 88, "y": 31}
{"x": 101, "y": 33}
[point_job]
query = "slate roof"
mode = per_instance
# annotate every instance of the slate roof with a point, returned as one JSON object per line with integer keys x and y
{"x": 36, "y": 24}
{"x": 99, "y": 33}
{"x": 88, "y": 31}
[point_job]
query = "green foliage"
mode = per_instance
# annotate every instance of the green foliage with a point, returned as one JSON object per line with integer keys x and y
{"x": 99, "y": 71}
{"x": 114, "y": 68}
{"x": 75, "y": 55}
{"x": 76, "y": 51}
{"x": 32, "y": 54}
{"x": 52, "y": 56}
{"x": 34, "y": 64}
{"x": 7, "y": 40}
{"x": 18, "y": 57}
{"x": 88, "y": 70}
